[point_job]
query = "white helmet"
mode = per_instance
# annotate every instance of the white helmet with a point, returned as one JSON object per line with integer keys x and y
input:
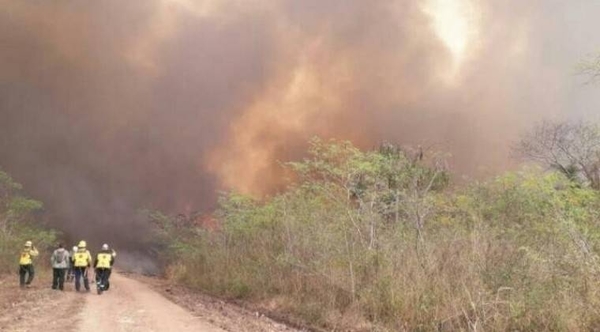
{"x": 105, "y": 246}
{"x": 75, "y": 249}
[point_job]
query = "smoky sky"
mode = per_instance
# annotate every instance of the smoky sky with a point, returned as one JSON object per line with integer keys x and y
{"x": 108, "y": 107}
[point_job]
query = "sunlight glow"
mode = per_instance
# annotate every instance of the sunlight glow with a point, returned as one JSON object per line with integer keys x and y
{"x": 456, "y": 24}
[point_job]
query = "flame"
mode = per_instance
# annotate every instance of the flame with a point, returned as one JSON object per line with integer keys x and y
{"x": 285, "y": 111}
{"x": 309, "y": 90}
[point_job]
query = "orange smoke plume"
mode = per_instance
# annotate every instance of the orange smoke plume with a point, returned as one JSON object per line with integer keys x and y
{"x": 108, "y": 107}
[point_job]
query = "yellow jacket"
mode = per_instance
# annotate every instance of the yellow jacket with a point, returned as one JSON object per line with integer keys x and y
{"x": 104, "y": 259}
{"x": 27, "y": 256}
{"x": 82, "y": 258}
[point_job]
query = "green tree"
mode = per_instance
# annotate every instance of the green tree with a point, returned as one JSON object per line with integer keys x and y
{"x": 17, "y": 222}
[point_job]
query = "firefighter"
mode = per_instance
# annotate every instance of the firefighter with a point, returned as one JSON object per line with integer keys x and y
{"x": 103, "y": 266}
{"x": 26, "y": 264}
{"x": 71, "y": 271}
{"x": 82, "y": 260}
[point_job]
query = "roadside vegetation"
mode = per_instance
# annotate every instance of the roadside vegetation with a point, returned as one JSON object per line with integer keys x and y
{"x": 379, "y": 241}
{"x": 18, "y": 223}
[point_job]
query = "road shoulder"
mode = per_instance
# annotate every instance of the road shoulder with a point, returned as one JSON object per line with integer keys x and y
{"x": 38, "y": 308}
{"x": 228, "y": 316}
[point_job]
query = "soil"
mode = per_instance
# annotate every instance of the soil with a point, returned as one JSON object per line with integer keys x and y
{"x": 38, "y": 308}
{"x": 133, "y": 303}
{"x": 228, "y": 315}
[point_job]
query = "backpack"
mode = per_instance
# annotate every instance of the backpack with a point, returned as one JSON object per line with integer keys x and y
{"x": 60, "y": 256}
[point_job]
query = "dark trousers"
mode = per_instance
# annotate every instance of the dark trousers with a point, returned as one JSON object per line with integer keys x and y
{"x": 102, "y": 275}
{"x": 108, "y": 272}
{"x": 58, "y": 278}
{"x": 70, "y": 273}
{"x": 81, "y": 272}
{"x": 26, "y": 270}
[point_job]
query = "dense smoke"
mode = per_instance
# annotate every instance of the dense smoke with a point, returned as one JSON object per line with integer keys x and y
{"x": 111, "y": 106}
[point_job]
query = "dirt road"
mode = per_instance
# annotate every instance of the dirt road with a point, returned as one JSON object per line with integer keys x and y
{"x": 130, "y": 305}
{"x": 135, "y": 307}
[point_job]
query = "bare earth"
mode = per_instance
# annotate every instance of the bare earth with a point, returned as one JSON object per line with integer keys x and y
{"x": 38, "y": 308}
{"x": 130, "y": 306}
{"x": 228, "y": 316}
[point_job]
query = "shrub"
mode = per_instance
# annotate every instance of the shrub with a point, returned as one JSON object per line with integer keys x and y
{"x": 17, "y": 225}
{"x": 372, "y": 240}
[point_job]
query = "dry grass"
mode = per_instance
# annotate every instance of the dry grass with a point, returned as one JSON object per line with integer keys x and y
{"x": 465, "y": 275}
{"x": 516, "y": 253}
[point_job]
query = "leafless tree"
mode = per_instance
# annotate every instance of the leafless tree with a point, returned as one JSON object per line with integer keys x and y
{"x": 571, "y": 148}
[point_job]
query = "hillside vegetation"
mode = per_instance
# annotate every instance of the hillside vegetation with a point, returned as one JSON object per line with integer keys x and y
{"x": 378, "y": 241}
{"x": 18, "y": 224}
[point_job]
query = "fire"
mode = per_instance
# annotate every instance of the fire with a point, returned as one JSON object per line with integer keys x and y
{"x": 316, "y": 85}
{"x": 284, "y": 112}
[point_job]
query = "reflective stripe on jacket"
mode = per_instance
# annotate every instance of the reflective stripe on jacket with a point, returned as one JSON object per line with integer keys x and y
{"x": 82, "y": 258}
{"x": 27, "y": 256}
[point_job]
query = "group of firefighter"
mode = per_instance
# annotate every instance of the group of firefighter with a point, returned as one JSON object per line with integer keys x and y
{"x": 70, "y": 266}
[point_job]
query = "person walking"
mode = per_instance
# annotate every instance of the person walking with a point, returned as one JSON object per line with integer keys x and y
{"x": 26, "y": 264}
{"x": 103, "y": 266}
{"x": 71, "y": 270}
{"x": 60, "y": 263}
{"x": 82, "y": 261}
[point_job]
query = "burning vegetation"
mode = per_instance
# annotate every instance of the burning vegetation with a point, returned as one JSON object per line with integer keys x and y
{"x": 175, "y": 100}
{"x": 112, "y": 108}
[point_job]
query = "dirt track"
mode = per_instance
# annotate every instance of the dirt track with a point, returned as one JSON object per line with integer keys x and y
{"x": 130, "y": 305}
{"x": 37, "y": 308}
{"x": 133, "y": 306}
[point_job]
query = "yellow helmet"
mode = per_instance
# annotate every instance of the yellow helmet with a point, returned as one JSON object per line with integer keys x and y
{"x": 28, "y": 244}
{"x": 82, "y": 244}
